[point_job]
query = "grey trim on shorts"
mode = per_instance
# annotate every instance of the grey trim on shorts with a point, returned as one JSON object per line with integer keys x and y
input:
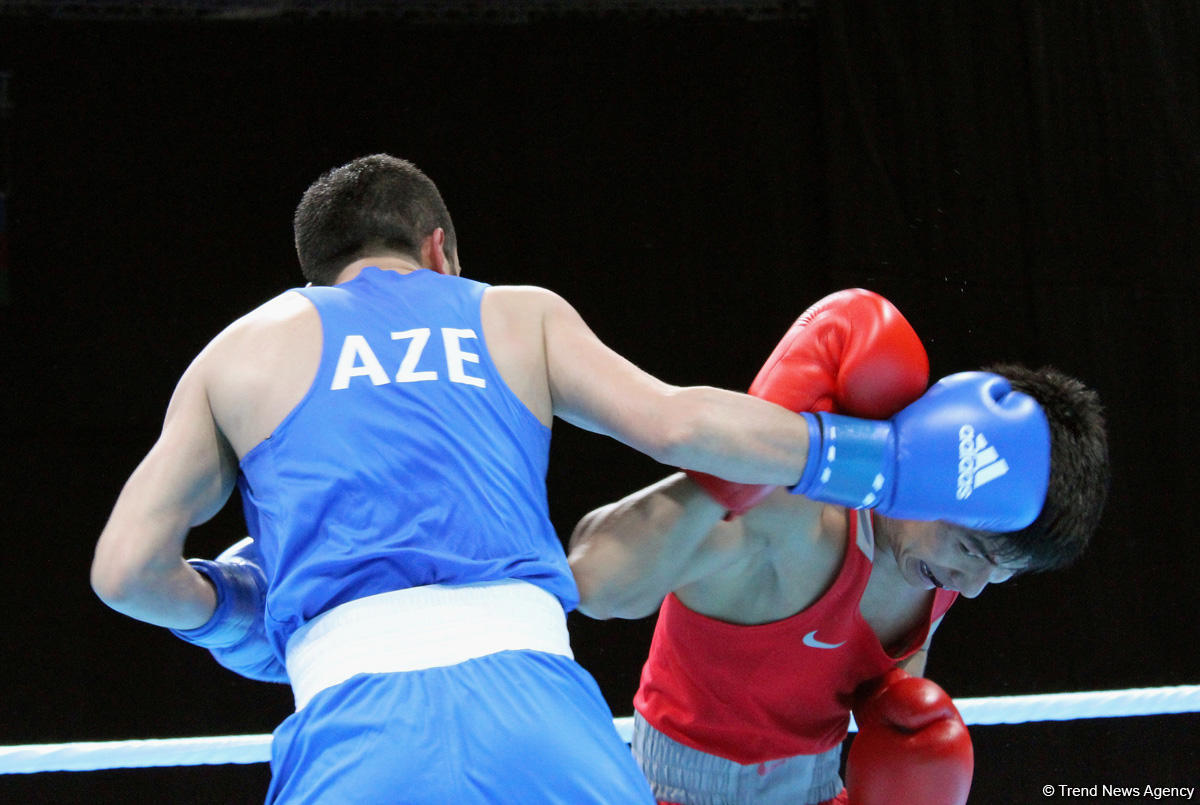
{"x": 679, "y": 773}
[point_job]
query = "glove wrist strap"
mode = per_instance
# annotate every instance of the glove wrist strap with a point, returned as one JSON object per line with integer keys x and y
{"x": 238, "y": 609}
{"x": 848, "y": 461}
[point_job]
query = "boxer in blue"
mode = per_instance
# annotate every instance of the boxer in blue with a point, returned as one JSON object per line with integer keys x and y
{"x": 388, "y": 428}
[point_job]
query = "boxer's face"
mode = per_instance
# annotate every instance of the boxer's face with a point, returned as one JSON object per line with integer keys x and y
{"x": 940, "y": 554}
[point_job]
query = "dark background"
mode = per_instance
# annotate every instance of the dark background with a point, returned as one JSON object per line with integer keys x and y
{"x": 1021, "y": 181}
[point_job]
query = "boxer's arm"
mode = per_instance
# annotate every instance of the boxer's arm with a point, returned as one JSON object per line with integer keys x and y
{"x": 138, "y": 568}
{"x": 725, "y": 433}
{"x": 628, "y": 555}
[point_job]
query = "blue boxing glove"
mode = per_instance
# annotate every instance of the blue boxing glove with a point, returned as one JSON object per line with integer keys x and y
{"x": 236, "y": 634}
{"x": 970, "y": 451}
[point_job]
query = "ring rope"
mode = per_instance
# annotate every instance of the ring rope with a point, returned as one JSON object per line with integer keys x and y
{"x": 96, "y": 755}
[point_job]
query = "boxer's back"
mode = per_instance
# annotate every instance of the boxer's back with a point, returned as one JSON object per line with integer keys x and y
{"x": 405, "y": 458}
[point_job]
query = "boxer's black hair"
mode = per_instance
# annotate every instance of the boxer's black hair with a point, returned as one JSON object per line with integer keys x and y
{"x": 373, "y": 203}
{"x": 1079, "y": 470}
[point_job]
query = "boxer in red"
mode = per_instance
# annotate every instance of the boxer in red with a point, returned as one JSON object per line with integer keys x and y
{"x": 781, "y": 614}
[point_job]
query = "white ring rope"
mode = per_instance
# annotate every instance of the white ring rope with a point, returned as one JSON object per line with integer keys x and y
{"x": 94, "y": 755}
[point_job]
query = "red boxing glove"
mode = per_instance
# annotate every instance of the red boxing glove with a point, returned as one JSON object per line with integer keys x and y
{"x": 912, "y": 746}
{"x": 851, "y": 353}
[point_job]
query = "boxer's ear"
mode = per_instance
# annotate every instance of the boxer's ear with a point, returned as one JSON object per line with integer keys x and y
{"x": 433, "y": 253}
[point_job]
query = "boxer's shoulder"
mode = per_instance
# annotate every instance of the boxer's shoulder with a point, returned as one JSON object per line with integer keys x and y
{"x": 261, "y": 366}
{"x": 512, "y": 319}
{"x": 275, "y": 332}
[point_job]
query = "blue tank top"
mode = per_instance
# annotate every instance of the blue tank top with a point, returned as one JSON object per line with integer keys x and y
{"x": 408, "y": 462}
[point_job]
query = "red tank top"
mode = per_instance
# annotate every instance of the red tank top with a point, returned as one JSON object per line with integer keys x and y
{"x": 757, "y": 693}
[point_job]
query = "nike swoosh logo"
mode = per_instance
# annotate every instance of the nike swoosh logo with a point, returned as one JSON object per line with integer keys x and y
{"x": 811, "y": 640}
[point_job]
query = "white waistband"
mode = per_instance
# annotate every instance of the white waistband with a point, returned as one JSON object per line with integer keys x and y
{"x": 423, "y": 627}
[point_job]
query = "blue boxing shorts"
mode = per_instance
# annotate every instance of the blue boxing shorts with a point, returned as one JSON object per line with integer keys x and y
{"x": 515, "y": 727}
{"x": 512, "y": 726}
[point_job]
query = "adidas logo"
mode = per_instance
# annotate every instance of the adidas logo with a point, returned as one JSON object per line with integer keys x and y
{"x": 978, "y": 462}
